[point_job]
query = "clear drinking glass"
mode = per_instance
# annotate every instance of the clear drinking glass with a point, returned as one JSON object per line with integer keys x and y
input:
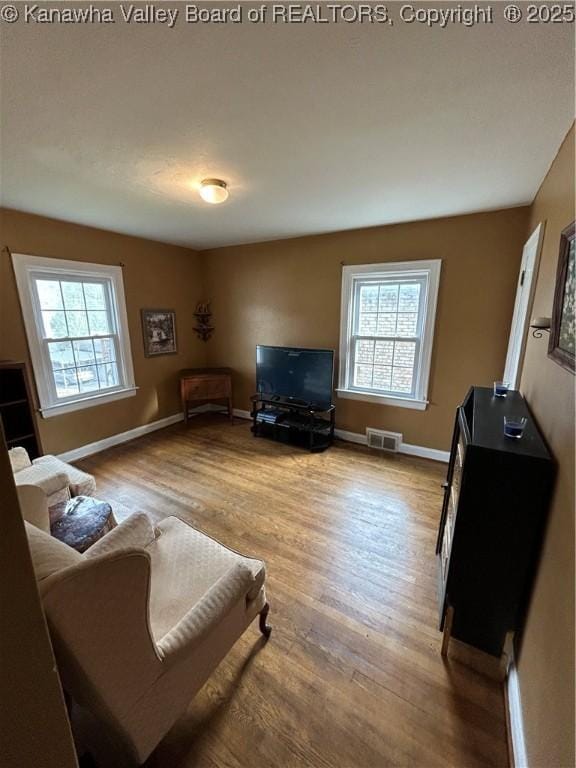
{"x": 500, "y": 388}
{"x": 514, "y": 426}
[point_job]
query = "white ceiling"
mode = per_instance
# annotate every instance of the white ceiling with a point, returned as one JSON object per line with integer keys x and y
{"x": 316, "y": 127}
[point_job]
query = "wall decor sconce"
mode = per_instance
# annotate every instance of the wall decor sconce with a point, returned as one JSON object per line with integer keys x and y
{"x": 204, "y": 329}
{"x": 540, "y": 324}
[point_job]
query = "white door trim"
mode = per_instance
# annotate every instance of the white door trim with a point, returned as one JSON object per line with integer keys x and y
{"x": 523, "y": 306}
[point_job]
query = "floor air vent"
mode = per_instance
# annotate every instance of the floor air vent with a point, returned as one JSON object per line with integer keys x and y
{"x": 383, "y": 441}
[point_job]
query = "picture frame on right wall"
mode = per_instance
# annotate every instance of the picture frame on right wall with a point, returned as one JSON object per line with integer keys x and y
{"x": 562, "y": 346}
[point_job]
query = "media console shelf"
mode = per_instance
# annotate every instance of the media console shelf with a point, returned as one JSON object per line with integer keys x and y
{"x": 291, "y": 421}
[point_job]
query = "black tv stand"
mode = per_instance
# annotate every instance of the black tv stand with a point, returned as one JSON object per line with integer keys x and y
{"x": 294, "y": 421}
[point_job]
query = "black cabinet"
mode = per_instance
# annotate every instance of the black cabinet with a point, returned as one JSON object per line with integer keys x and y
{"x": 492, "y": 524}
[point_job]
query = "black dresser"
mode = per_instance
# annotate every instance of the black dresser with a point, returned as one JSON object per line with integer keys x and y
{"x": 495, "y": 506}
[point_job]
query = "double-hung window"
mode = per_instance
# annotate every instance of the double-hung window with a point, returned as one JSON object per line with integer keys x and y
{"x": 75, "y": 318}
{"x": 387, "y": 328}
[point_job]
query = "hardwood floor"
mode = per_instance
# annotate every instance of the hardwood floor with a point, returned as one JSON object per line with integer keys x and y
{"x": 352, "y": 676}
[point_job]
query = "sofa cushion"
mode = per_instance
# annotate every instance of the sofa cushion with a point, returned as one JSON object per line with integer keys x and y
{"x": 185, "y": 565}
{"x": 81, "y": 483}
{"x": 19, "y": 459}
{"x": 48, "y": 554}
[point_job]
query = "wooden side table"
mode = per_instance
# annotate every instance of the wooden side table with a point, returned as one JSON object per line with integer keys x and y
{"x": 199, "y": 386}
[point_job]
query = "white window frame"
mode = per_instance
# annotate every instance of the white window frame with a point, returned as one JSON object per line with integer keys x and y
{"x": 28, "y": 268}
{"x": 429, "y": 273}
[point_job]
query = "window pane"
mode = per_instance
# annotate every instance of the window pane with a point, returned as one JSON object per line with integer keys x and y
{"x": 98, "y": 322}
{"x": 73, "y": 296}
{"x": 369, "y": 298}
{"x": 384, "y": 352}
{"x": 395, "y": 313}
{"x": 77, "y": 323}
{"x": 386, "y": 324}
{"x": 403, "y": 371}
{"x": 382, "y": 377}
{"x": 367, "y": 324}
{"x": 54, "y": 325}
{"x": 84, "y": 352}
{"x": 105, "y": 350}
{"x": 363, "y": 376}
{"x": 365, "y": 351}
{"x": 407, "y": 324}
{"x": 95, "y": 296}
{"x": 401, "y": 380}
{"x": 404, "y": 353}
{"x": 66, "y": 382}
{"x": 61, "y": 355}
{"x": 88, "y": 379}
{"x": 388, "y": 298}
{"x": 387, "y": 366}
{"x": 108, "y": 375}
{"x": 409, "y": 297}
{"x": 49, "y": 294}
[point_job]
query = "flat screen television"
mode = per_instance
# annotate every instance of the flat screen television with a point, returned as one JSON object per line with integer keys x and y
{"x": 303, "y": 376}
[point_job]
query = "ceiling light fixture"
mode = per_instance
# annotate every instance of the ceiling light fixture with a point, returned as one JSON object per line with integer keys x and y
{"x": 213, "y": 191}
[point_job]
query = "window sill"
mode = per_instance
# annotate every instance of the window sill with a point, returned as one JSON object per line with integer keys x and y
{"x": 370, "y": 397}
{"x": 87, "y": 402}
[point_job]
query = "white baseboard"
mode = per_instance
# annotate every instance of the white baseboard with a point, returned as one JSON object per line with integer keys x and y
{"x": 356, "y": 437}
{"x": 409, "y": 450}
{"x": 515, "y": 719}
{"x": 124, "y": 437}
{"x": 351, "y": 437}
{"x": 131, "y": 434}
{"x": 425, "y": 453}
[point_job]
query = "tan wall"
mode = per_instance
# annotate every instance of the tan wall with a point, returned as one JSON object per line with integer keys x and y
{"x": 155, "y": 275}
{"x": 287, "y": 292}
{"x": 546, "y": 665}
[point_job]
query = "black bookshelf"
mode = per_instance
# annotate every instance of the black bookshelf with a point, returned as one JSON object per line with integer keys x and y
{"x": 293, "y": 422}
{"x": 496, "y": 499}
{"x": 17, "y": 409}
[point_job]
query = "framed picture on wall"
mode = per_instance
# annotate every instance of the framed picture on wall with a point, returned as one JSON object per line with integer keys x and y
{"x": 159, "y": 331}
{"x": 563, "y": 328}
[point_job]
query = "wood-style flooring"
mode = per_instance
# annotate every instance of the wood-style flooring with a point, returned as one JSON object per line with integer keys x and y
{"x": 352, "y": 676}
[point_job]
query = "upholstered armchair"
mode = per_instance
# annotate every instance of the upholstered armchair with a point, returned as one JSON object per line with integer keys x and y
{"x": 55, "y": 477}
{"x": 140, "y": 621}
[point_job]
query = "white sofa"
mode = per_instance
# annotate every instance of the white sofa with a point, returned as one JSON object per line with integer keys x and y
{"x": 58, "y": 480}
{"x": 140, "y": 621}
